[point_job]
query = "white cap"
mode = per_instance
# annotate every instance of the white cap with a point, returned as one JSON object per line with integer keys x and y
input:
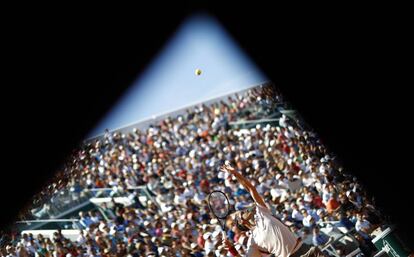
{"x": 102, "y": 226}
{"x": 143, "y": 234}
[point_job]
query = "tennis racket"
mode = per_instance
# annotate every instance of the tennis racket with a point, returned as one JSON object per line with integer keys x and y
{"x": 220, "y": 206}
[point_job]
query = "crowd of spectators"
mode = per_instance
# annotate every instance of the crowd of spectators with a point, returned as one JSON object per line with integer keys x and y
{"x": 178, "y": 160}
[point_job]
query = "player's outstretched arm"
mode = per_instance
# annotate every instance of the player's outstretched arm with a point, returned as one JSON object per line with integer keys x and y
{"x": 245, "y": 183}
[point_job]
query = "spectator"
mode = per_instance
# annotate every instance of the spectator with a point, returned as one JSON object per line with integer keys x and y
{"x": 85, "y": 220}
{"x": 332, "y": 204}
{"x": 318, "y": 239}
{"x": 363, "y": 226}
{"x": 308, "y": 221}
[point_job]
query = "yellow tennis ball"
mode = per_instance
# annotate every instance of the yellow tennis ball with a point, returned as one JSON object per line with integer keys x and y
{"x": 198, "y": 72}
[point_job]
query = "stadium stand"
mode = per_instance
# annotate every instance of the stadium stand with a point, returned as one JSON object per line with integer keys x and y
{"x": 142, "y": 191}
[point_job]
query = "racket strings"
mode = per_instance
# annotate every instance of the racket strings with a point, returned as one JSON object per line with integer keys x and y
{"x": 219, "y": 204}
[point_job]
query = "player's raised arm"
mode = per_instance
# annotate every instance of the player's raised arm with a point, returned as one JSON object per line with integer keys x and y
{"x": 245, "y": 183}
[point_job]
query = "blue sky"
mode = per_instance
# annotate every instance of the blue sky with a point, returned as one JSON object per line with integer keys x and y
{"x": 169, "y": 83}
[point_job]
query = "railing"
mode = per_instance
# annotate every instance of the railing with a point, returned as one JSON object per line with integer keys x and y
{"x": 330, "y": 248}
{"x": 50, "y": 223}
{"x": 62, "y": 203}
{"x": 338, "y": 234}
{"x": 266, "y": 118}
{"x": 383, "y": 252}
{"x": 67, "y": 201}
{"x": 47, "y": 220}
{"x": 111, "y": 192}
{"x": 105, "y": 196}
{"x": 246, "y": 123}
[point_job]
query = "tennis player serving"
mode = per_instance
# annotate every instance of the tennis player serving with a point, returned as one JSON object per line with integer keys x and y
{"x": 268, "y": 235}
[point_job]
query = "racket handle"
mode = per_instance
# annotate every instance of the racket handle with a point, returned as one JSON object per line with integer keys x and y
{"x": 223, "y": 234}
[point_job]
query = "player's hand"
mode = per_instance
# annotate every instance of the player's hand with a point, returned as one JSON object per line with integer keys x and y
{"x": 227, "y": 244}
{"x": 227, "y": 168}
{"x": 229, "y": 247}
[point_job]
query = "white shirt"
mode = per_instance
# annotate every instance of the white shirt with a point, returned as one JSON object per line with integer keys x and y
{"x": 277, "y": 192}
{"x": 308, "y": 198}
{"x": 282, "y": 121}
{"x": 270, "y": 235}
{"x": 364, "y": 224}
{"x": 179, "y": 199}
{"x": 208, "y": 246}
{"x": 307, "y": 221}
{"x": 308, "y": 181}
{"x": 31, "y": 248}
{"x": 297, "y": 215}
{"x": 326, "y": 195}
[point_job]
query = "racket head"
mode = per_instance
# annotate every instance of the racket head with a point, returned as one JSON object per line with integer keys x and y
{"x": 219, "y": 204}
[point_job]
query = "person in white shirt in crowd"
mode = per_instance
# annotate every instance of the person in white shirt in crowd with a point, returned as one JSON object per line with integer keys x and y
{"x": 363, "y": 226}
{"x": 283, "y": 121}
{"x": 307, "y": 220}
{"x": 296, "y": 213}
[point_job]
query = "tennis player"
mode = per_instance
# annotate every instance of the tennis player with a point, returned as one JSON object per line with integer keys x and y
{"x": 268, "y": 235}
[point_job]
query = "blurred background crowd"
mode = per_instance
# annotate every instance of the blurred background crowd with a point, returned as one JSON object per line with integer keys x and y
{"x": 177, "y": 160}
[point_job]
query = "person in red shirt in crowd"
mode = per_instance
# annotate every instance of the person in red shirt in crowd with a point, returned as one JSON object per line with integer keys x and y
{"x": 182, "y": 174}
{"x": 317, "y": 201}
{"x": 200, "y": 239}
{"x": 204, "y": 185}
{"x": 332, "y": 205}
